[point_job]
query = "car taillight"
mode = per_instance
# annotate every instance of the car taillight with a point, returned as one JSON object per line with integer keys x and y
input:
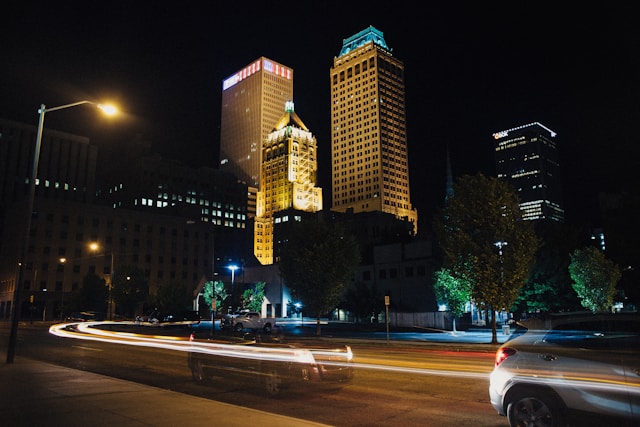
{"x": 503, "y": 353}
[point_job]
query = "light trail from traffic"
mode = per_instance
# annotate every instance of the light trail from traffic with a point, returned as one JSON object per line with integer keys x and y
{"x": 91, "y": 331}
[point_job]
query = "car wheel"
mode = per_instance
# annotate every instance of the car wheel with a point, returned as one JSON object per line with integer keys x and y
{"x": 531, "y": 409}
{"x": 197, "y": 371}
{"x": 273, "y": 382}
{"x": 238, "y": 327}
{"x": 267, "y": 328}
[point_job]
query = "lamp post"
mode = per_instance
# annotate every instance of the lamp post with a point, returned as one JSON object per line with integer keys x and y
{"x": 15, "y": 315}
{"x": 500, "y": 244}
{"x": 110, "y": 303}
{"x": 94, "y": 247}
{"x": 63, "y": 261}
{"x": 233, "y": 269}
{"x": 299, "y": 307}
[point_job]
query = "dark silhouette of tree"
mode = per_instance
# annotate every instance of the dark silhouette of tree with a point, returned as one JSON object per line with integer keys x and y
{"x": 173, "y": 297}
{"x": 595, "y": 278}
{"x": 92, "y": 295}
{"x": 548, "y": 288}
{"x": 130, "y": 289}
{"x": 317, "y": 263}
{"x": 363, "y": 301}
{"x": 485, "y": 242}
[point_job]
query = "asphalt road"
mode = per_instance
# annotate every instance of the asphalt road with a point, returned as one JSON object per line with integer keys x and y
{"x": 397, "y": 382}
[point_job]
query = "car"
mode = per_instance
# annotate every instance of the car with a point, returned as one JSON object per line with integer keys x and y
{"x": 86, "y": 316}
{"x": 157, "y": 318}
{"x": 183, "y": 317}
{"x": 570, "y": 366}
{"x": 252, "y": 320}
{"x": 270, "y": 365}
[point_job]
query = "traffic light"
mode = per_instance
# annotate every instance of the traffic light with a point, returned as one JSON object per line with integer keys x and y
{"x": 31, "y": 298}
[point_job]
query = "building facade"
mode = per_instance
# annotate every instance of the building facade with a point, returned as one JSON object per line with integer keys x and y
{"x": 166, "y": 248}
{"x": 252, "y": 101}
{"x": 527, "y": 158}
{"x": 288, "y": 178}
{"x": 66, "y": 170}
{"x": 152, "y": 184}
{"x": 174, "y": 223}
{"x": 369, "y": 155}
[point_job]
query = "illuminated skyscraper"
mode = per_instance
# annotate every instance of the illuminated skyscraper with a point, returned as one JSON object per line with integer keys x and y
{"x": 369, "y": 159}
{"x": 288, "y": 179}
{"x": 527, "y": 158}
{"x": 252, "y": 101}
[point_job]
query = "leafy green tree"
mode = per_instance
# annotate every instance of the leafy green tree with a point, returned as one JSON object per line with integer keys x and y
{"x": 214, "y": 290}
{"x": 317, "y": 263}
{"x": 548, "y": 288}
{"x": 594, "y": 278}
{"x": 92, "y": 295}
{"x": 485, "y": 241}
{"x": 252, "y": 298}
{"x": 173, "y": 297}
{"x": 452, "y": 291}
{"x": 130, "y": 288}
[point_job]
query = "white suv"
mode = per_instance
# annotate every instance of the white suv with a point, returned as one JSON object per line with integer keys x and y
{"x": 567, "y": 367}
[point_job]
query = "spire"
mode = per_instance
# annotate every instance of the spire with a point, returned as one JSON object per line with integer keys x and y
{"x": 449, "y": 185}
{"x": 290, "y": 118}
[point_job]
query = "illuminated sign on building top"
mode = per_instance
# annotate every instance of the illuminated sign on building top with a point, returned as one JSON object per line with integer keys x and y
{"x": 504, "y": 133}
{"x": 253, "y": 68}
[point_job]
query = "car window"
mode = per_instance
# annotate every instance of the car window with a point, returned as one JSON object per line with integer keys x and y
{"x": 596, "y": 334}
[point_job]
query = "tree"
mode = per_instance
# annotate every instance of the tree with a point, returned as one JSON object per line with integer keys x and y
{"x": 363, "y": 301}
{"x": 452, "y": 291}
{"x": 93, "y": 295}
{"x": 485, "y": 241}
{"x": 173, "y": 298}
{"x": 317, "y": 263}
{"x": 252, "y": 298}
{"x": 594, "y": 278}
{"x": 129, "y": 289}
{"x": 214, "y": 290}
{"x": 548, "y": 288}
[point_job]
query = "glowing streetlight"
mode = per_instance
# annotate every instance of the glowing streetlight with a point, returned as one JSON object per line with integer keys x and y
{"x": 32, "y": 190}
{"x": 233, "y": 269}
{"x": 299, "y": 307}
{"x": 94, "y": 248}
{"x": 62, "y": 261}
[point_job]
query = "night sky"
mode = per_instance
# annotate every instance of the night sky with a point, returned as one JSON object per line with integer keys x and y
{"x": 471, "y": 69}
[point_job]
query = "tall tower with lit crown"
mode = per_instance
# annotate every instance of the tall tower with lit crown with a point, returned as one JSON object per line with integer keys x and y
{"x": 287, "y": 179}
{"x": 252, "y": 101}
{"x": 369, "y": 156}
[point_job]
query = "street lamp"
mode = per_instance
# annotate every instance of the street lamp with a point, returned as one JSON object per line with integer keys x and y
{"x": 32, "y": 190}
{"x": 62, "y": 262}
{"x": 233, "y": 269}
{"x": 500, "y": 244}
{"x": 299, "y": 307}
{"x": 94, "y": 247}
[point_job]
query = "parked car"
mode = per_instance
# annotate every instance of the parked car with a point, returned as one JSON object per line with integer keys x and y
{"x": 567, "y": 367}
{"x": 270, "y": 365}
{"x": 252, "y": 320}
{"x": 157, "y": 318}
{"x": 86, "y": 316}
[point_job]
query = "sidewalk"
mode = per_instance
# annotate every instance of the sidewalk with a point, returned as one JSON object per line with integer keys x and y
{"x": 39, "y": 394}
